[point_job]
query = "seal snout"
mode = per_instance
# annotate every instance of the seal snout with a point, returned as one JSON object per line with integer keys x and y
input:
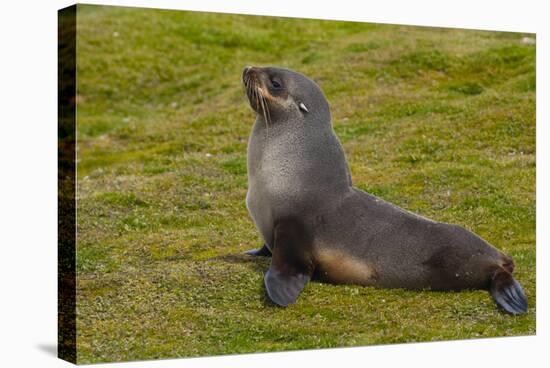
{"x": 247, "y": 74}
{"x": 252, "y": 83}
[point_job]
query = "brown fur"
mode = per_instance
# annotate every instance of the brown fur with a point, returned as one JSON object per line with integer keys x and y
{"x": 337, "y": 267}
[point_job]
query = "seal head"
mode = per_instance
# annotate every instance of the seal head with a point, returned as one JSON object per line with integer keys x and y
{"x": 282, "y": 94}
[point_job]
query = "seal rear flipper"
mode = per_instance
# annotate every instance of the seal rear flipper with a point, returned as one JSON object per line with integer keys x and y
{"x": 291, "y": 266}
{"x": 507, "y": 293}
{"x": 261, "y": 252}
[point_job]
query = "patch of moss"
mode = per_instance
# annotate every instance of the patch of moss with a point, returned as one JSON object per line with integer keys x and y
{"x": 468, "y": 88}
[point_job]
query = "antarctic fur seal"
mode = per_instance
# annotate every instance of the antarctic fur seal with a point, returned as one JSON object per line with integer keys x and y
{"x": 316, "y": 225}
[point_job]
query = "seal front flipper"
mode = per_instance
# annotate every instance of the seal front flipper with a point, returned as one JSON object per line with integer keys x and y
{"x": 291, "y": 267}
{"x": 261, "y": 252}
{"x": 283, "y": 288}
{"x": 507, "y": 293}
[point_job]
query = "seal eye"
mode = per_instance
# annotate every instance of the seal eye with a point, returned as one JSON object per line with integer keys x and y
{"x": 275, "y": 84}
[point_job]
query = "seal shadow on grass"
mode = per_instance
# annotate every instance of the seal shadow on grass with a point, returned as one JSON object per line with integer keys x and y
{"x": 256, "y": 264}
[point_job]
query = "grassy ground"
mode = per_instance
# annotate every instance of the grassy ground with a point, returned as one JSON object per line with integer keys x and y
{"x": 438, "y": 121}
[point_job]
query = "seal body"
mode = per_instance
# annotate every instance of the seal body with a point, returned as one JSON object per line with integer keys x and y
{"x": 317, "y": 225}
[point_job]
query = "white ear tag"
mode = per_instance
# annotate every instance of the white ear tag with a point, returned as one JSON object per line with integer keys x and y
{"x": 303, "y": 107}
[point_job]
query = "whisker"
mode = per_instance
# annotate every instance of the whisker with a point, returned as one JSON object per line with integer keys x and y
{"x": 265, "y": 113}
{"x": 257, "y": 95}
{"x": 267, "y": 110}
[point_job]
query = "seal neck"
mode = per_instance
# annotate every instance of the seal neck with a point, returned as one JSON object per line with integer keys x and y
{"x": 309, "y": 123}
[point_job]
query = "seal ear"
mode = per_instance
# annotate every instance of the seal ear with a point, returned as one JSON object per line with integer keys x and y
{"x": 303, "y": 107}
{"x": 291, "y": 267}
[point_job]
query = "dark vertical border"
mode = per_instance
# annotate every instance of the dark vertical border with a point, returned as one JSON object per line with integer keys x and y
{"x": 66, "y": 190}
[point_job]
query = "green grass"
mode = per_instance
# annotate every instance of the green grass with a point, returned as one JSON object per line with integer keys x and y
{"x": 438, "y": 121}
